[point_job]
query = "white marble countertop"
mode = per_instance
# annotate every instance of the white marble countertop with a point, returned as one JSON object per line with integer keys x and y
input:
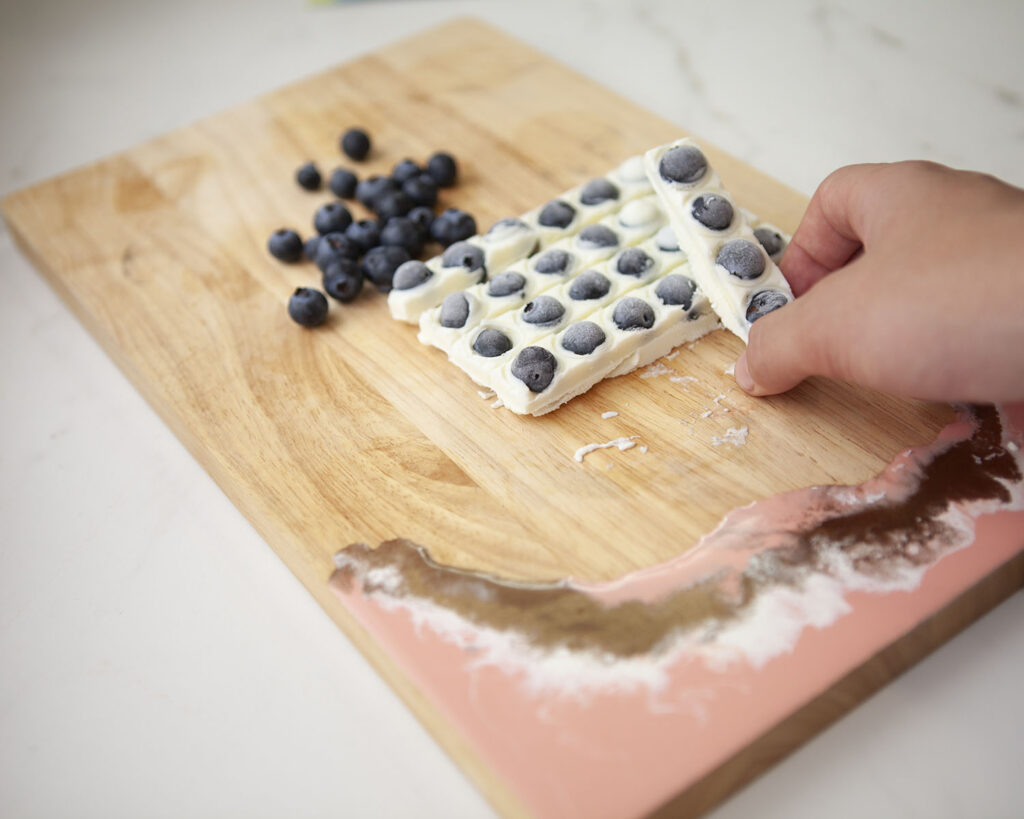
{"x": 158, "y": 659}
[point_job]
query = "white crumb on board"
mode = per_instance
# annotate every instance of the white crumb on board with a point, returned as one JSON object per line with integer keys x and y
{"x": 655, "y": 370}
{"x": 719, "y": 398}
{"x": 497, "y": 404}
{"x": 737, "y": 436}
{"x": 683, "y": 379}
{"x": 730, "y": 370}
{"x": 609, "y": 414}
{"x": 643, "y": 448}
{"x": 485, "y": 393}
{"x": 671, "y": 355}
{"x": 706, "y": 414}
{"x": 622, "y": 443}
{"x": 1012, "y": 446}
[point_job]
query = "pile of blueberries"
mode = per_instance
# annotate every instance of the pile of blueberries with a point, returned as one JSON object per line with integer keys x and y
{"x": 350, "y": 251}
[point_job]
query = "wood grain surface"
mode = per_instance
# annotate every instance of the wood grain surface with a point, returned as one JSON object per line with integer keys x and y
{"x": 355, "y": 431}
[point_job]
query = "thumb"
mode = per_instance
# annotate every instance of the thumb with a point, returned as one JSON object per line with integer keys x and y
{"x": 820, "y": 333}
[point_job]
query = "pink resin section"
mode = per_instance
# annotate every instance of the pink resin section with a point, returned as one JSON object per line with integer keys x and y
{"x": 623, "y": 753}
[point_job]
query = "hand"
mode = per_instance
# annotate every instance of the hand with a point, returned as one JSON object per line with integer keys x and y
{"x": 909, "y": 278}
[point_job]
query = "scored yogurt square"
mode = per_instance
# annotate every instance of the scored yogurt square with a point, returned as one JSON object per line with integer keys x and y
{"x": 419, "y": 286}
{"x": 734, "y": 265}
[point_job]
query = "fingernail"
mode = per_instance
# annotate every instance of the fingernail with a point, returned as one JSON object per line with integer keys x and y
{"x": 742, "y": 375}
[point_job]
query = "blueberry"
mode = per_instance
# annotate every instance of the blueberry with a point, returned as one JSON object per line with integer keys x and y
{"x": 309, "y": 249}
{"x": 676, "y": 290}
{"x": 423, "y": 218}
{"x": 589, "y": 285}
{"x": 764, "y": 302}
{"x": 355, "y": 143}
{"x": 365, "y": 234}
{"x": 335, "y": 246}
{"x": 597, "y": 191}
{"x": 507, "y": 225}
{"x": 421, "y": 190}
{"x": 442, "y": 169}
{"x": 742, "y": 258}
{"x": 391, "y": 204}
{"x": 505, "y": 284}
{"x": 554, "y": 261}
{"x": 380, "y": 263}
{"x": 556, "y": 214}
{"x": 594, "y": 236}
{"x": 370, "y": 189}
{"x": 633, "y": 262}
{"x": 463, "y": 254}
{"x": 308, "y": 307}
{"x": 712, "y": 211}
{"x": 666, "y": 240}
{"x": 308, "y": 177}
{"x": 543, "y": 310}
{"x": 535, "y": 367}
{"x": 343, "y": 183}
{"x": 285, "y": 244}
{"x": 583, "y": 338}
{"x": 402, "y": 232}
{"x": 491, "y": 343}
{"x": 454, "y": 310}
{"x": 332, "y": 218}
{"x": 405, "y": 170}
{"x": 771, "y": 241}
{"x": 343, "y": 280}
{"x": 633, "y": 314}
{"x": 685, "y": 165}
{"x": 452, "y": 226}
{"x": 411, "y": 274}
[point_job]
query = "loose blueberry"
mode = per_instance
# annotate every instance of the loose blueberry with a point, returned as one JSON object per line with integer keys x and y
{"x": 685, "y": 165}
{"x": 285, "y": 244}
{"x": 666, "y": 240}
{"x": 423, "y": 218}
{"x": 308, "y": 177}
{"x": 712, "y": 211}
{"x": 355, "y": 143}
{"x": 764, "y": 302}
{"x": 452, "y": 226}
{"x": 343, "y": 183}
{"x": 553, "y": 262}
{"x": 589, "y": 285}
{"x": 454, "y": 310}
{"x": 307, "y": 307}
{"x": 380, "y": 263}
{"x": 543, "y": 310}
{"x": 535, "y": 367}
{"x": 583, "y": 338}
{"x": 372, "y": 188}
{"x": 676, "y": 290}
{"x": 391, "y": 204}
{"x": 310, "y": 247}
{"x": 742, "y": 258}
{"x": 505, "y": 284}
{"x": 594, "y": 236}
{"x": 491, "y": 343}
{"x": 421, "y": 190}
{"x": 411, "y": 274}
{"x": 442, "y": 169}
{"x": 332, "y": 218}
{"x": 343, "y": 280}
{"x": 402, "y": 232}
{"x": 365, "y": 234}
{"x": 556, "y": 214}
{"x": 633, "y": 262}
{"x": 597, "y": 191}
{"x": 335, "y": 246}
{"x": 463, "y": 254}
{"x": 405, "y": 170}
{"x": 771, "y": 241}
{"x": 633, "y": 314}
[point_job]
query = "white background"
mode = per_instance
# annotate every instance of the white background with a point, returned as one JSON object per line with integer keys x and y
{"x": 156, "y": 658}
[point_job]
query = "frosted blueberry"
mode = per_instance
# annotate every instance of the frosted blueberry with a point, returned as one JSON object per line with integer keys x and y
{"x": 633, "y": 314}
{"x": 491, "y": 343}
{"x": 712, "y": 211}
{"x": 633, "y": 262}
{"x": 535, "y": 367}
{"x": 685, "y": 164}
{"x": 764, "y": 302}
{"x": 676, "y": 290}
{"x": 589, "y": 285}
{"x": 411, "y": 274}
{"x": 666, "y": 240}
{"x": 505, "y": 284}
{"x": 553, "y": 261}
{"x": 597, "y": 191}
{"x": 557, "y": 213}
{"x": 771, "y": 241}
{"x": 543, "y": 310}
{"x": 454, "y": 310}
{"x": 583, "y": 338}
{"x": 742, "y": 258}
{"x": 594, "y": 236}
{"x": 463, "y": 254}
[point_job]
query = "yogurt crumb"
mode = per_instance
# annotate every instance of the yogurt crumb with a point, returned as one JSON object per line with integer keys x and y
{"x": 609, "y": 414}
{"x": 731, "y": 369}
{"x": 643, "y": 449}
{"x": 497, "y": 404}
{"x": 485, "y": 394}
{"x": 622, "y": 443}
{"x": 655, "y": 370}
{"x": 706, "y": 414}
{"x": 737, "y": 436}
{"x": 671, "y": 355}
{"x": 683, "y": 379}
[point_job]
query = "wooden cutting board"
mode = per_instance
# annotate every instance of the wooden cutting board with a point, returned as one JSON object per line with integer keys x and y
{"x": 356, "y": 432}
